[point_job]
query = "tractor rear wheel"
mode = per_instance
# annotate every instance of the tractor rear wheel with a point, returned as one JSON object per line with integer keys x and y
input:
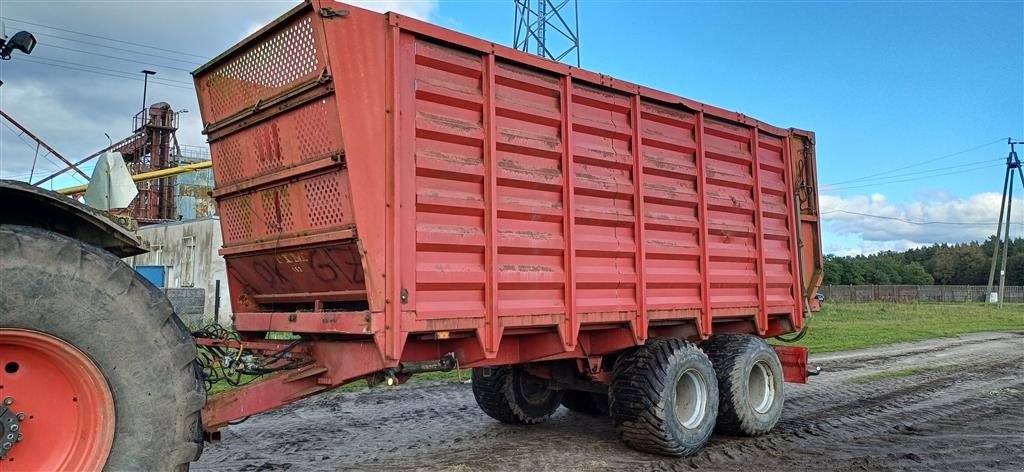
{"x": 750, "y": 381}
{"x": 98, "y": 371}
{"x": 511, "y": 395}
{"x": 664, "y": 397}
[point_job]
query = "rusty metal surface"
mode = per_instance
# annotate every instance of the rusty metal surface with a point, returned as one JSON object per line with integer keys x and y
{"x": 157, "y": 124}
{"x": 465, "y": 187}
{"x": 25, "y": 204}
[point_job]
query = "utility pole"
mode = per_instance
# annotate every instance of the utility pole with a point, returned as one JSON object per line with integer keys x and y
{"x": 1005, "y": 208}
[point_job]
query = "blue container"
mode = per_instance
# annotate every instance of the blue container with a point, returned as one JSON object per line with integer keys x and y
{"x": 154, "y": 274}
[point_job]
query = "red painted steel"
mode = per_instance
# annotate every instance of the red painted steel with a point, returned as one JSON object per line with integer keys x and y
{"x": 380, "y": 178}
{"x": 794, "y": 363}
{"x": 68, "y": 407}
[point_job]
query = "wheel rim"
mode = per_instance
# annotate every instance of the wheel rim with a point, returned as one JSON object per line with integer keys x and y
{"x": 533, "y": 390}
{"x": 761, "y": 387}
{"x": 68, "y": 408}
{"x": 691, "y": 399}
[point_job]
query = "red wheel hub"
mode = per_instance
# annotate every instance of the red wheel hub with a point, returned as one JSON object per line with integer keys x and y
{"x": 68, "y": 421}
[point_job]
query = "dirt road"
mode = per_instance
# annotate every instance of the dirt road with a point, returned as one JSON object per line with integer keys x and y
{"x": 955, "y": 403}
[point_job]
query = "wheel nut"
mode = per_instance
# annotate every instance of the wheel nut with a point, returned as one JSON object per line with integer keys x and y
{"x": 10, "y": 436}
{"x": 7, "y": 445}
{"x": 14, "y": 427}
{"x": 21, "y": 417}
{"x": 8, "y": 400}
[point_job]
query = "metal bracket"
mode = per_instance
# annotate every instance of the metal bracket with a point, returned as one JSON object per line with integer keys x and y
{"x": 333, "y": 12}
{"x": 10, "y": 427}
{"x": 325, "y": 77}
{"x": 340, "y": 159}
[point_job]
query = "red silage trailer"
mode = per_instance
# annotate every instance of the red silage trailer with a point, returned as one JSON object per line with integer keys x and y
{"x": 398, "y": 198}
{"x": 408, "y": 198}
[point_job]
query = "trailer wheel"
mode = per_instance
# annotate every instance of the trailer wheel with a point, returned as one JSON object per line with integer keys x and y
{"x": 750, "y": 381}
{"x": 664, "y": 397}
{"x": 95, "y": 358}
{"x": 588, "y": 403}
{"x": 511, "y": 395}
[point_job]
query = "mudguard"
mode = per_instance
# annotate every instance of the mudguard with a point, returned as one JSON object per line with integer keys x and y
{"x": 28, "y": 205}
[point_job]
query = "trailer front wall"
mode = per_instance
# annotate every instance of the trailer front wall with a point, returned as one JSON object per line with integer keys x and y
{"x": 486, "y": 192}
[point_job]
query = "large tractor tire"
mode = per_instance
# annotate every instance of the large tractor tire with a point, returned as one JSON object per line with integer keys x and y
{"x": 98, "y": 371}
{"x": 511, "y": 395}
{"x": 664, "y": 398}
{"x": 588, "y": 403}
{"x": 750, "y": 383}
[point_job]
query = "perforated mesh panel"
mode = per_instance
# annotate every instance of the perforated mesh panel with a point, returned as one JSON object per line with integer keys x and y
{"x": 311, "y": 204}
{"x": 267, "y": 144}
{"x": 324, "y": 201}
{"x": 236, "y": 217}
{"x": 300, "y": 135}
{"x": 287, "y": 57}
{"x": 311, "y": 126}
{"x": 228, "y": 156}
{"x": 277, "y": 209}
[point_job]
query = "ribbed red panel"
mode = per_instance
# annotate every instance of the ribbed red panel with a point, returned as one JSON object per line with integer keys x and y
{"x": 456, "y": 148}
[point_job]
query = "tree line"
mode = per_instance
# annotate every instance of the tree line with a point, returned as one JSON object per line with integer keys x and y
{"x": 938, "y": 264}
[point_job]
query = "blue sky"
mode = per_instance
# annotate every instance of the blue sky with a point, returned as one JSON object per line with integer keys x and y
{"x": 884, "y": 86}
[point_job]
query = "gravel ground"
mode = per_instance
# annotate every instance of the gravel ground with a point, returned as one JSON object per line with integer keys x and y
{"x": 969, "y": 414}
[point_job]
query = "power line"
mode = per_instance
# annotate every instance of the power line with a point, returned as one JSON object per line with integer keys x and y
{"x": 21, "y": 138}
{"x": 40, "y": 171}
{"x": 79, "y": 41}
{"x": 929, "y": 171}
{"x": 129, "y": 73}
{"x": 107, "y": 39}
{"x": 25, "y": 59}
{"x": 955, "y": 223}
{"x": 117, "y": 58}
{"x": 911, "y": 179}
{"x": 108, "y": 74}
{"x": 926, "y": 161}
{"x": 30, "y": 146}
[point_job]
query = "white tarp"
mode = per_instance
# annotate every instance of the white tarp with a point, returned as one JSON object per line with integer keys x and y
{"x": 111, "y": 184}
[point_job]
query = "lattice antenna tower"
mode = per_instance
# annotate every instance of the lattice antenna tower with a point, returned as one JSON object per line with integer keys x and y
{"x": 548, "y": 28}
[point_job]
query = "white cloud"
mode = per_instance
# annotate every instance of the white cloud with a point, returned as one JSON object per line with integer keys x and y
{"x": 896, "y": 226}
{"x": 46, "y": 113}
{"x": 862, "y": 247}
{"x": 72, "y": 109}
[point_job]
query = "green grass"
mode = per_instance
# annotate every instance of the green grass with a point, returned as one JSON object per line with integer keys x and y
{"x": 845, "y": 326}
{"x": 224, "y": 386}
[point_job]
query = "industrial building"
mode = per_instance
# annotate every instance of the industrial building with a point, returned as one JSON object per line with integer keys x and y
{"x": 184, "y": 261}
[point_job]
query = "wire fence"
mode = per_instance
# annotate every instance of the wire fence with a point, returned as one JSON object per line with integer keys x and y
{"x": 918, "y": 293}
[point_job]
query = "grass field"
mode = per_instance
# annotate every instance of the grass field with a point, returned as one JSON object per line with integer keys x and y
{"x": 844, "y": 326}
